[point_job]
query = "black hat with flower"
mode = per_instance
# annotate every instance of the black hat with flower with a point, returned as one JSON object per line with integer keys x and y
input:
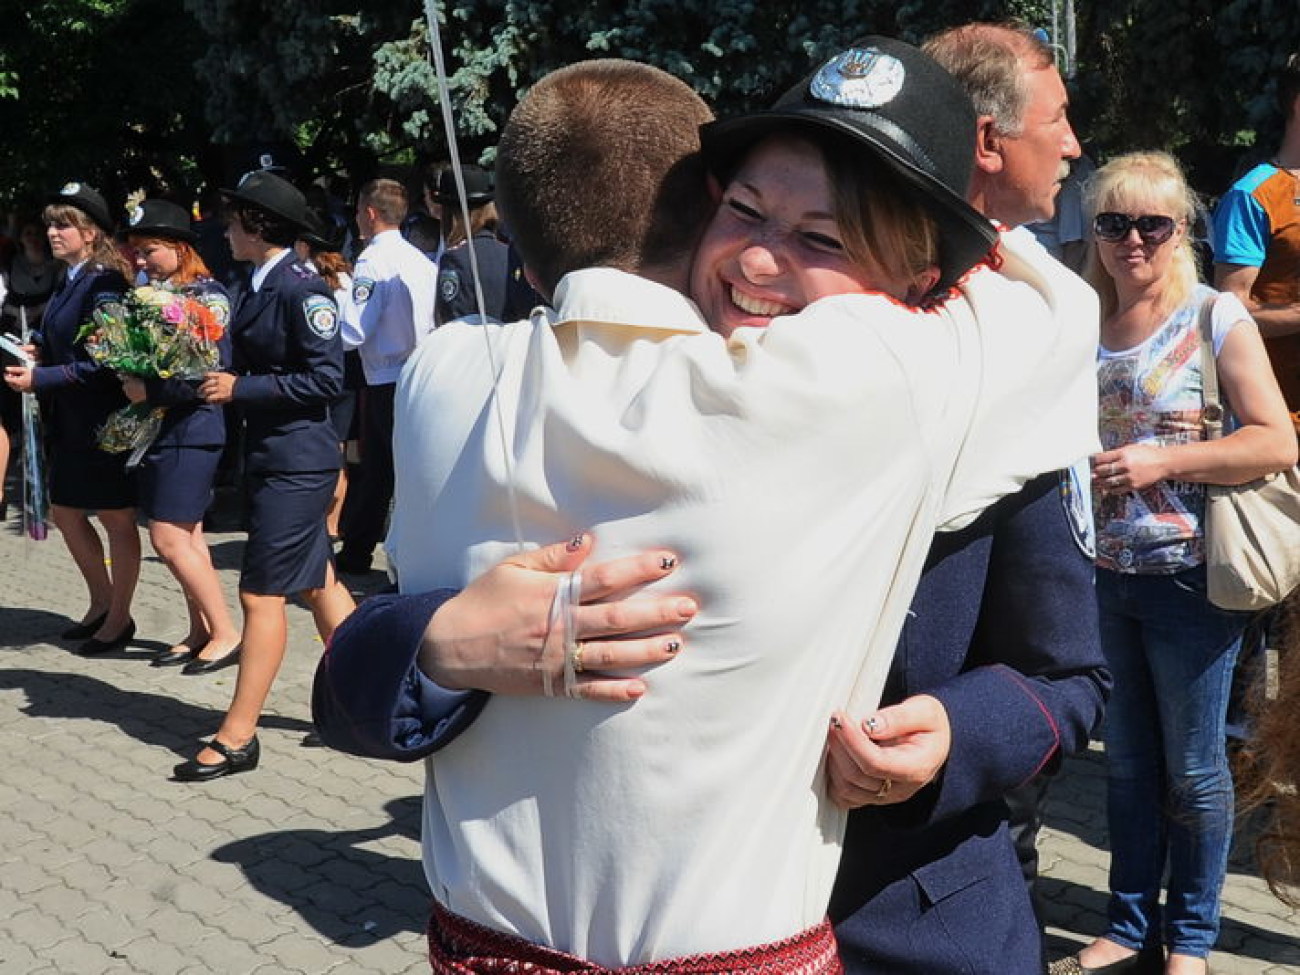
{"x": 161, "y": 218}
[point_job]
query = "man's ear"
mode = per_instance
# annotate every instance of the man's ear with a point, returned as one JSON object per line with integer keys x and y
{"x": 988, "y": 146}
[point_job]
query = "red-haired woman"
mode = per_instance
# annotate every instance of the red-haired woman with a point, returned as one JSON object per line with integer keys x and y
{"x": 176, "y": 474}
{"x": 80, "y": 395}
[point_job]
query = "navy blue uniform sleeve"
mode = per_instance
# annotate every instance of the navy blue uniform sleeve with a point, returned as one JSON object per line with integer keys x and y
{"x": 314, "y": 372}
{"x": 370, "y": 698}
{"x": 1037, "y": 681}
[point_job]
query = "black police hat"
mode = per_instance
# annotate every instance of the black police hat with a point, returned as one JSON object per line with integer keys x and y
{"x": 274, "y": 194}
{"x": 478, "y": 186}
{"x": 88, "y": 200}
{"x": 324, "y": 234}
{"x": 161, "y": 218}
{"x": 900, "y": 105}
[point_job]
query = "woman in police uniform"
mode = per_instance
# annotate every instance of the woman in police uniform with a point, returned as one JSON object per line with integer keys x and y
{"x": 287, "y": 367}
{"x": 79, "y": 395}
{"x": 176, "y": 473}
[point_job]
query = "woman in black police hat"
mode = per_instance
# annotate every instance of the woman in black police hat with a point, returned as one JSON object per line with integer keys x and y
{"x": 886, "y": 137}
{"x": 176, "y": 474}
{"x": 80, "y": 395}
{"x": 506, "y": 295}
{"x": 287, "y": 366}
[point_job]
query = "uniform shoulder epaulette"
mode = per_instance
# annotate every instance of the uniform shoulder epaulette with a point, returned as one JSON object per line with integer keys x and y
{"x": 301, "y": 270}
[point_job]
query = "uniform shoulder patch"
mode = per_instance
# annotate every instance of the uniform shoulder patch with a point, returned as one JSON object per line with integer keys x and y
{"x": 1076, "y": 499}
{"x": 322, "y": 317}
{"x": 448, "y": 285}
{"x": 362, "y": 288}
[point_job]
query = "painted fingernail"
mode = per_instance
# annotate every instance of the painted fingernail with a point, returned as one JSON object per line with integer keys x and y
{"x": 575, "y": 542}
{"x": 835, "y": 722}
{"x": 668, "y": 562}
{"x": 873, "y": 725}
{"x": 672, "y": 646}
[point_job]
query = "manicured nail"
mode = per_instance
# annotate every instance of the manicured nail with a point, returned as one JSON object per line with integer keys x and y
{"x": 873, "y": 725}
{"x": 672, "y": 646}
{"x": 668, "y": 562}
{"x": 575, "y": 542}
{"x": 835, "y": 722}
{"x": 686, "y": 608}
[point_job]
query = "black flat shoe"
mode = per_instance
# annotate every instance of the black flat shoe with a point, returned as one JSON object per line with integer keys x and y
{"x": 233, "y": 760}
{"x": 83, "y": 630}
{"x": 93, "y": 647}
{"x": 1145, "y": 962}
{"x": 200, "y": 666}
{"x": 173, "y": 658}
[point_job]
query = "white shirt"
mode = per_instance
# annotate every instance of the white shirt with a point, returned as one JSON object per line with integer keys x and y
{"x": 799, "y": 472}
{"x": 394, "y": 289}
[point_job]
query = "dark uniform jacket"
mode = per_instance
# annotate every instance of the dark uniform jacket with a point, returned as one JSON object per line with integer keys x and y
{"x": 78, "y": 393}
{"x": 507, "y": 295}
{"x": 286, "y": 351}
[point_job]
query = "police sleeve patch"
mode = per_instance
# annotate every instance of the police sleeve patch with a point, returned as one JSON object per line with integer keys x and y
{"x": 1076, "y": 499}
{"x": 449, "y": 285}
{"x": 322, "y": 317}
{"x": 362, "y": 289}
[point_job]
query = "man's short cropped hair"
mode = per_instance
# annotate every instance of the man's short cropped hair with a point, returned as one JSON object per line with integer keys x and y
{"x": 990, "y": 61}
{"x": 387, "y": 198}
{"x": 599, "y": 166}
{"x": 1288, "y": 86}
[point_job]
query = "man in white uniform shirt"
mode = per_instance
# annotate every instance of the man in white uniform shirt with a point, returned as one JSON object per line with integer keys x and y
{"x": 845, "y": 434}
{"x": 394, "y": 291}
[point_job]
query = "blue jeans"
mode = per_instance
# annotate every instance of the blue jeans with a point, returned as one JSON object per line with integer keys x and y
{"x": 1169, "y": 789}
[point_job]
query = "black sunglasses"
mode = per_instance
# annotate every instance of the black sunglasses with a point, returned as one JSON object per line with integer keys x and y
{"x": 1114, "y": 227}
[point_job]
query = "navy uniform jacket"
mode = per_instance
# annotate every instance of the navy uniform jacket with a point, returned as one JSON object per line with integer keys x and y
{"x": 79, "y": 392}
{"x": 1003, "y": 631}
{"x": 189, "y": 422}
{"x": 507, "y": 295}
{"x": 286, "y": 351}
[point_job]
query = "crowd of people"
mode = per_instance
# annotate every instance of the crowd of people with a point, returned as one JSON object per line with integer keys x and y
{"x": 872, "y": 507}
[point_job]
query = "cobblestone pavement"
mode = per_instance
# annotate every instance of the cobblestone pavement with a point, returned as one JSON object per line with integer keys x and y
{"x": 310, "y": 864}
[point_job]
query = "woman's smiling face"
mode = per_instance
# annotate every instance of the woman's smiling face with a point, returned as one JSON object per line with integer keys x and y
{"x": 774, "y": 245}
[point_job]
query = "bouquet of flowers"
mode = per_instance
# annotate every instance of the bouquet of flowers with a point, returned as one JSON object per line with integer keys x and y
{"x": 151, "y": 332}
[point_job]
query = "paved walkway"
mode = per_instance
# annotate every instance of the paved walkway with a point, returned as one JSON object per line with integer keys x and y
{"x": 311, "y": 863}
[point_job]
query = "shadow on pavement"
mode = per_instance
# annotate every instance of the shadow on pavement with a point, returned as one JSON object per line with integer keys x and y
{"x": 153, "y": 719}
{"x": 350, "y": 906}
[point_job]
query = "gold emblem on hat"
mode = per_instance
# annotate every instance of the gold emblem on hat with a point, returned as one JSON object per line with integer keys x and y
{"x": 70, "y": 189}
{"x": 859, "y": 78}
{"x": 136, "y": 216}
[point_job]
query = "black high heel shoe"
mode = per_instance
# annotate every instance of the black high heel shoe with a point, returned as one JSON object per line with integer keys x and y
{"x": 232, "y": 760}
{"x": 93, "y": 647}
{"x": 83, "y": 630}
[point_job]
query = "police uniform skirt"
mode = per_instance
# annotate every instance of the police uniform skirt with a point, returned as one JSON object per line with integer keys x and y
{"x": 90, "y": 479}
{"x": 175, "y": 483}
{"x": 288, "y": 548}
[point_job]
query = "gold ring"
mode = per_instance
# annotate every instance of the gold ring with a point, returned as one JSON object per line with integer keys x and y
{"x": 885, "y": 786}
{"x": 576, "y": 656}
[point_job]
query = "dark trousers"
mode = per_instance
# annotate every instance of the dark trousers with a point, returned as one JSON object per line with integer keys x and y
{"x": 365, "y": 509}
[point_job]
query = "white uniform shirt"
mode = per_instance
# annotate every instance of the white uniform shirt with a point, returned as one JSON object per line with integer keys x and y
{"x": 799, "y": 472}
{"x": 394, "y": 289}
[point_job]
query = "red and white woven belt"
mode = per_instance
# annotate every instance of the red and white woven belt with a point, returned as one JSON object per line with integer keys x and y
{"x": 458, "y": 946}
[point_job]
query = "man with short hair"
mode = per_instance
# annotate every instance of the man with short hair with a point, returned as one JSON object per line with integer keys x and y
{"x": 1257, "y": 243}
{"x": 643, "y": 919}
{"x": 394, "y": 290}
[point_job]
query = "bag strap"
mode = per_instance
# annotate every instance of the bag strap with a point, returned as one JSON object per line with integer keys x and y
{"x": 1211, "y": 404}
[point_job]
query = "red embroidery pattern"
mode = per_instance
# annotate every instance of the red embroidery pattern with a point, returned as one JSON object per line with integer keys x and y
{"x": 458, "y": 946}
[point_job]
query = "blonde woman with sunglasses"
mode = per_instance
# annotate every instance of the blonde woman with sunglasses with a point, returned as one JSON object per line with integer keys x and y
{"x": 1171, "y": 652}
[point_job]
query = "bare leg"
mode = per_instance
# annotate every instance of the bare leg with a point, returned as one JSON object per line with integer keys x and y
{"x": 87, "y": 551}
{"x": 336, "y": 503}
{"x": 266, "y": 632}
{"x": 124, "y": 558}
{"x": 330, "y": 605}
{"x": 185, "y": 550}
